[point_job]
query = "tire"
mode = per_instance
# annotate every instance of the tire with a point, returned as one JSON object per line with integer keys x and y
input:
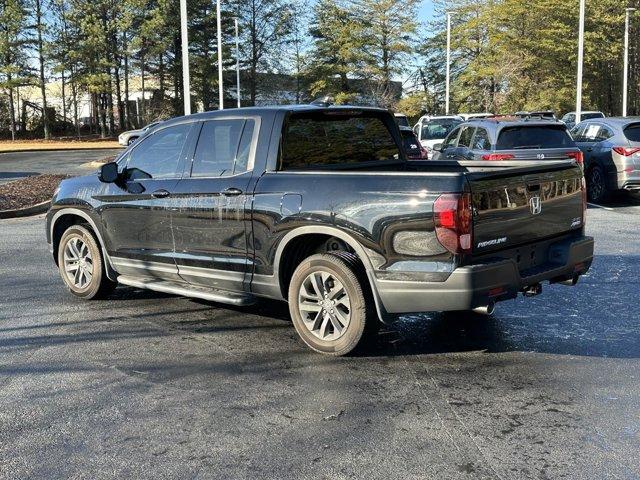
{"x": 79, "y": 248}
{"x": 131, "y": 140}
{"x": 346, "y": 322}
{"x": 596, "y": 184}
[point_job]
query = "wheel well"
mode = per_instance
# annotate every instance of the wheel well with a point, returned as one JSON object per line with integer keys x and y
{"x": 61, "y": 225}
{"x": 302, "y": 247}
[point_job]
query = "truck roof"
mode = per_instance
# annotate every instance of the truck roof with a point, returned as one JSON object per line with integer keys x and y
{"x": 270, "y": 110}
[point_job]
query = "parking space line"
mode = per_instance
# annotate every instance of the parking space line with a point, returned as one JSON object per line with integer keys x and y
{"x": 600, "y": 206}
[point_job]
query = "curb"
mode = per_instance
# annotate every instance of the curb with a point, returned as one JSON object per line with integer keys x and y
{"x": 25, "y": 212}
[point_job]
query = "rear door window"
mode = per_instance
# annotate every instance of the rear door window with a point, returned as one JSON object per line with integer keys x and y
{"x": 337, "y": 138}
{"x": 534, "y": 136}
{"x": 481, "y": 140}
{"x": 223, "y": 148}
{"x": 632, "y": 132}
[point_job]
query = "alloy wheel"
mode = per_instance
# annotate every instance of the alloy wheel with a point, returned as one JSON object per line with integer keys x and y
{"x": 78, "y": 262}
{"x": 324, "y": 305}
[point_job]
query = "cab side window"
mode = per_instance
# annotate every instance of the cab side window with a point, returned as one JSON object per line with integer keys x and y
{"x": 481, "y": 140}
{"x": 158, "y": 155}
{"x": 223, "y": 148}
{"x": 465, "y": 136}
{"x": 451, "y": 140}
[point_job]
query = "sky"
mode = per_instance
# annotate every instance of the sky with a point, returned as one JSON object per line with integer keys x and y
{"x": 426, "y": 11}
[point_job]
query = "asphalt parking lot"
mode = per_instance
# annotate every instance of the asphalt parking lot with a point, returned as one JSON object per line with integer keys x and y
{"x": 154, "y": 386}
{"x": 16, "y": 165}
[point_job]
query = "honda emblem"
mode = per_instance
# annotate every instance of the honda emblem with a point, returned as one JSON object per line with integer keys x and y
{"x": 535, "y": 205}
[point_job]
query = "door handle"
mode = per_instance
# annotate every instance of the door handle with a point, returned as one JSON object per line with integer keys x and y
{"x": 162, "y": 193}
{"x": 232, "y": 192}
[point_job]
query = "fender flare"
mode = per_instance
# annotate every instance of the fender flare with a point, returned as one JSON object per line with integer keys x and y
{"x": 111, "y": 272}
{"x": 349, "y": 240}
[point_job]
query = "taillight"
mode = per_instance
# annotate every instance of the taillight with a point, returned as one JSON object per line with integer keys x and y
{"x": 498, "y": 156}
{"x": 453, "y": 220}
{"x": 577, "y": 156}
{"x": 626, "y": 151}
{"x": 583, "y": 190}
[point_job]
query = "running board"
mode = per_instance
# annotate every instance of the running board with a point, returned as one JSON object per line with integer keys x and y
{"x": 210, "y": 294}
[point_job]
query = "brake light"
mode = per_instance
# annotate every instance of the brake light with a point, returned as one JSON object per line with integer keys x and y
{"x": 583, "y": 190}
{"x": 577, "y": 156}
{"x": 452, "y": 217}
{"x": 626, "y": 151}
{"x": 498, "y": 156}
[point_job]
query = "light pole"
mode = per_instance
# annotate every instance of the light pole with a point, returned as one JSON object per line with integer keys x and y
{"x": 625, "y": 75}
{"x": 220, "y": 86}
{"x": 186, "y": 87}
{"x": 448, "y": 74}
{"x": 580, "y": 59}
{"x": 237, "y": 61}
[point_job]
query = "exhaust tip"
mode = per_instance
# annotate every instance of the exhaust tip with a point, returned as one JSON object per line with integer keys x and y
{"x": 487, "y": 309}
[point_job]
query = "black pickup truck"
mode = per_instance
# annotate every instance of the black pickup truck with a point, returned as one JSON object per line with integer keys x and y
{"x": 317, "y": 206}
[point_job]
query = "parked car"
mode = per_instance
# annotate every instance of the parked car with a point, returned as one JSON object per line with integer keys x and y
{"x": 402, "y": 120}
{"x": 411, "y": 144}
{"x": 611, "y": 149}
{"x": 431, "y": 130}
{"x": 569, "y": 118}
{"x": 509, "y": 139}
{"x": 130, "y": 136}
{"x": 316, "y": 206}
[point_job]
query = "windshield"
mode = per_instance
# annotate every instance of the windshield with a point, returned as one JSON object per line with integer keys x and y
{"x": 438, "y": 129}
{"x": 586, "y": 116}
{"x": 534, "y": 136}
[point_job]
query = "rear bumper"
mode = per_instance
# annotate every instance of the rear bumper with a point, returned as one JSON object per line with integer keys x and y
{"x": 478, "y": 285}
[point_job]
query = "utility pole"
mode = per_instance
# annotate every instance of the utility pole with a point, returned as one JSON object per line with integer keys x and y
{"x": 220, "y": 86}
{"x": 625, "y": 76}
{"x": 237, "y": 61}
{"x": 186, "y": 87}
{"x": 580, "y": 60}
{"x": 448, "y": 74}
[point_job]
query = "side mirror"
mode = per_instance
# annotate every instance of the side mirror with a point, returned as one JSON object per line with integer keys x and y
{"x": 108, "y": 172}
{"x": 437, "y": 147}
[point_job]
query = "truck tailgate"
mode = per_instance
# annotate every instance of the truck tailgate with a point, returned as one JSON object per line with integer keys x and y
{"x": 523, "y": 205}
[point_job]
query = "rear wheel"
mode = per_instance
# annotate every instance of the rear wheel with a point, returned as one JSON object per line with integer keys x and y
{"x": 596, "y": 185}
{"x": 131, "y": 140}
{"x": 80, "y": 264}
{"x": 329, "y": 307}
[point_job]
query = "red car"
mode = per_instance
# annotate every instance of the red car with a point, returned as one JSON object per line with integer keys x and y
{"x": 412, "y": 146}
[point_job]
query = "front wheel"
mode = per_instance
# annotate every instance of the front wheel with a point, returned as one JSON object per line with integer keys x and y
{"x": 80, "y": 264}
{"x": 329, "y": 307}
{"x": 596, "y": 185}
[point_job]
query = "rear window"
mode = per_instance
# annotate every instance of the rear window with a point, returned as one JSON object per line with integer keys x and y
{"x": 534, "y": 136}
{"x": 325, "y": 139}
{"x": 587, "y": 116}
{"x": 410, "y": 143}
{"x": 632, "y": 132}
